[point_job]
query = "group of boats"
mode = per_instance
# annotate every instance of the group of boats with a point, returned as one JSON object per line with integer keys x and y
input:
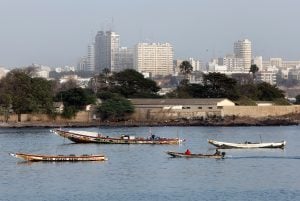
{"x": 92, "y": 137}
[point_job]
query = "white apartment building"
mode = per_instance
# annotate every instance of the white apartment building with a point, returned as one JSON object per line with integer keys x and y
{"x": 154, "y": 58}
{"x": 268, "y": 75}
{"x": 64, "y": 69}
{"x": 90, "y": 60}
{"x": 290, "y": 64}
{"x": 280, "y": 63}
{"x": 276, "y": 62}
{"x": 242, "y": 49}
{"x": 232, "y": 63}
{"x": 123, "y": 59}
{"x": 197, "y": 64}
{"x": 213, "y": 66}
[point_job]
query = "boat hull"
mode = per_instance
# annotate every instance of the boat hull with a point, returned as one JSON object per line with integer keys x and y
{"x": 183, "y": 155}
{"x": 80, "y": 138}
{"x": 227, "y": 145}
{"x": 58, "y": 158}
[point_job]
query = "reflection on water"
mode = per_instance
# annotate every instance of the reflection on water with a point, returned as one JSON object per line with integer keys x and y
{"x": 146, "y": 172}
{"x": 263, "y": 157}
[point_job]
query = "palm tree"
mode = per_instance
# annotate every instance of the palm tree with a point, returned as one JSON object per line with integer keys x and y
{"x": 253, "y": 69}
{"x": 186, "y": 68}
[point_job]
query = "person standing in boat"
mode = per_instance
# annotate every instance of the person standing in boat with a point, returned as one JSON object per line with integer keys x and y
{"x": 153, "y": 137}
{"x": 187, "y": 152}
{"x": 217, "y": 152}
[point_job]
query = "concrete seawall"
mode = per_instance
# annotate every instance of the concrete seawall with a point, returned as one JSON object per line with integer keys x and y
{"x": 156, "y": 115}
{"x": 260, "y": 111}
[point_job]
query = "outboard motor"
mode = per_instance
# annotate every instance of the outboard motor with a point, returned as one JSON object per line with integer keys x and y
{"x": 223, "y": 154}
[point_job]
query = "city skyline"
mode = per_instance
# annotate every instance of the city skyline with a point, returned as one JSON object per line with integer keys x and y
{"x": 57, "y": 33}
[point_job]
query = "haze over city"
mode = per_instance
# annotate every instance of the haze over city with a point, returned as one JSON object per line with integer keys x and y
{"x": 58, "y": 32}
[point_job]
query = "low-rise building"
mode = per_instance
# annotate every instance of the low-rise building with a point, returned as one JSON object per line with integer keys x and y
{"x": 168, "y": 109}
{"x": 58, "y": 107}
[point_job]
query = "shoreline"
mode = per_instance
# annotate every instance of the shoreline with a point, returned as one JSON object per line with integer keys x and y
{"x": 226, "y": 122}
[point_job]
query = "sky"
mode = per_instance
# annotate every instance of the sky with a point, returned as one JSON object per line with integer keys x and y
{"x": 57, "y": 32}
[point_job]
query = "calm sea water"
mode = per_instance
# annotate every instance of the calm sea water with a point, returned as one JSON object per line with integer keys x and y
{"x": 145, "y": 172}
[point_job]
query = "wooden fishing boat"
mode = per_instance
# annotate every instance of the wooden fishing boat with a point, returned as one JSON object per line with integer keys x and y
{"x": 58, "y": 158}
{"x": 247, "y": 145}
{"x": 92, "y": 137}
{"x": 184, "y": 155}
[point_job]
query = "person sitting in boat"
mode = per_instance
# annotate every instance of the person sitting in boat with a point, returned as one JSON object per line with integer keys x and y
{"x": 187, "y": 152}
{"x": 154, "y": 137}
{"x": 217, "y": 152}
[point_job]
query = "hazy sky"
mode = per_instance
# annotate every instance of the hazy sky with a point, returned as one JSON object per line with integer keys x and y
{"x": 57, "y": 32}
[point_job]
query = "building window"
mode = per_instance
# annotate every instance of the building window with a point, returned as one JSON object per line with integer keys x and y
{"x": 199, "y": 107}
{"x": 220, "y": 107}
{"x": 210, "y": 108}
{"x": 186, "y": 107}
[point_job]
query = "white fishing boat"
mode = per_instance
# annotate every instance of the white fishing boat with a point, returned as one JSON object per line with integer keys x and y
{"x": 247, "y": 145}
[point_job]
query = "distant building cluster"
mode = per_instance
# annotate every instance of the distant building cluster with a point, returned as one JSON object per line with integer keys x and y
{"x": 106, "y": 52}
{"x": 156, "y": 60}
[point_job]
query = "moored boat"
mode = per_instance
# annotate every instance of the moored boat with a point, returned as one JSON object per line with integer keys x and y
{"x": 58, "y": 158}
{"x": 92, "y": 137}
{"x": 184, "y": 155}
{"x": 247, "y": 145}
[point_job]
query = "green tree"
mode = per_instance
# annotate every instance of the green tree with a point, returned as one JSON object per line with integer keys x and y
{"x": 115, "y": 109}
{"x": 27, "y": 94}
{"x": 253, "y": 69}
{"x": 132, "y": 84}
{"x": 42, "y": 91}
{"x": 268, "y": 92}
{"x": 105, "y": 95}
{"x": 244, "y": 100}
{"x": 218, "y": 85}
{"x": 281, "y": 101}
{"x": 249, "y": 90}
{"x": 5, "y": 105}
{"x": 297, "y": 99}
{"x": 186, "y": 68}
{"x": 75, "y": 99}
{"x": 102, "y": 81}
{"x": 69, "y": 84}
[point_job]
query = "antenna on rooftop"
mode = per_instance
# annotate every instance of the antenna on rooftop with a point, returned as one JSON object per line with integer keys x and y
{"x": 112, "y": 24}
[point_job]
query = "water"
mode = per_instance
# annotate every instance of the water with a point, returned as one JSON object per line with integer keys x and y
{"x": 145, "y": 172}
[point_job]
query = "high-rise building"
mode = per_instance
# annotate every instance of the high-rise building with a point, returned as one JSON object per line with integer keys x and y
{"x": 107, "y": 45}
{"x": 154, "y": 58}
{"x": 90, "y": 62}
{"x": 123, "y": 59}
{"x": 242, "y": 49}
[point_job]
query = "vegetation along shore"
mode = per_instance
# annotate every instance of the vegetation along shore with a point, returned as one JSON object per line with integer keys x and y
{"x": 127, "y": 98}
